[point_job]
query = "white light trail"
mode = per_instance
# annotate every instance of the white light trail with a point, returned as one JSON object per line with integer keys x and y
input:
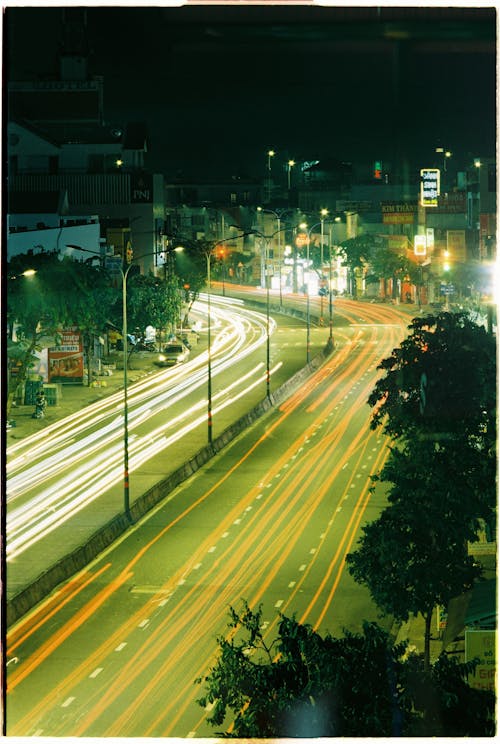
{"x": 82, "y": 469}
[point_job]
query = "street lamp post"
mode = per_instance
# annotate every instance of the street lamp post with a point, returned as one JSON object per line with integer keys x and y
{"x": 209, "y": 357}
{"x": 291, "y": 163}
{"x": 267, "y": 239}
{"x": 323, "y": 213}
{"x": 126, "y": 475}
{"x": 279, "y": 216}
{"x": 208, "y": 255}
{"x": 330, "y": 288}
{"x": 270, "y": 154}
{"x": 303, "y": 226}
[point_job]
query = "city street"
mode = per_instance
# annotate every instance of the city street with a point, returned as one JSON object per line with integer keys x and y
{"x": 116, "y": 650}
{"x": 70, "y": 479}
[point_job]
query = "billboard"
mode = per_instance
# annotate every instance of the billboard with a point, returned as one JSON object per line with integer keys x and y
{"x": 481, "y": 644}
{"x": 398, "y": 213}
{"x": 66, "y": 360}
{"x": 420, "y": 245}
{"x": 430, "y": 186}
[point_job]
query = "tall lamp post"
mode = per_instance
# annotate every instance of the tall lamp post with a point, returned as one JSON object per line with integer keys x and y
{"x": 208, "y": 253}
{"x": 323, "y": 213}
{"x": 267, "y": 239}
{"x": 290, "y": 164}
{"x": 279, "y": 216}
{"x": 303, "y": 226}
{"x": 270, "y": 154}
{"x": 124, "y": 275}
{"x": 330, "y": 288}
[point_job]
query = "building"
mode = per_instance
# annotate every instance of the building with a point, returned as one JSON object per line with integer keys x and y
{"x": 58, "y": 141}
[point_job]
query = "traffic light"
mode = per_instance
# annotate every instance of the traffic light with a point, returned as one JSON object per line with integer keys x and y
{"x": 377, "y": 170}
{"x": 129, "y": 253}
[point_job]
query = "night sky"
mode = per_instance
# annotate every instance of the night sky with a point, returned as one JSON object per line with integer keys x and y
{"x": 220, "y": 85}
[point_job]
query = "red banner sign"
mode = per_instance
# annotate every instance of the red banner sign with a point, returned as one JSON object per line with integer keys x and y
{"x": 66, "y": 360}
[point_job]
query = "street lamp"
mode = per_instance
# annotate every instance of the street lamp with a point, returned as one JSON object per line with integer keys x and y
{"x": 446, "y": 154}
{"x": 209, "y": 252}
{"x": 278, "y": 216}
{"x": 267, "y": 239}
{"x": 330, "y": 282}
{"x": 303, "y": 226}
{"x": 291, "y": 163}
{"x": 323, "y": 213}
{"x": 126, "y": 475}
{"x": 270, "y": 154}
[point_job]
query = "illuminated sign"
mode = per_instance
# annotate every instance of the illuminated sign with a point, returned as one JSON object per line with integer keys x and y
{"x": 429, "y": 187}
{"x": 398, "y": 213}
{"x": 301, "y": 240}
{"x": 377, "y": 170}
{"x": 420, "y": 245}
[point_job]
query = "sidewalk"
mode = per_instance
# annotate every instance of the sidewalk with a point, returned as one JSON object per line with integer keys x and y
{"x": 75, "y": 397}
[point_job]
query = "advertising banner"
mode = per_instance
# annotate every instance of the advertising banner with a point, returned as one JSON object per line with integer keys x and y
{"x": 420, "y": 245}
{"x": 430, "y": 188}
{"x": 66, "y": 360}
{"x": 481, "y": 644}
{"x": 398, "y": 213}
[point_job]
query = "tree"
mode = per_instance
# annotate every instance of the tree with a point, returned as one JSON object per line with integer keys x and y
{"x": 413, "y": 558}
{"x": 92, "y": 298}
{"x": 40, "y": 306}
{"x": 385, "y": 264}
{"x": 151, "y": 301}
{"x": 443, "y": 702}
{"x": 191, "y": 266}
{"x": 304, "y": 684}
{"x": 437, "y": 401}
{"x": 355, "y": 253}
{"x": 441, "y": 380}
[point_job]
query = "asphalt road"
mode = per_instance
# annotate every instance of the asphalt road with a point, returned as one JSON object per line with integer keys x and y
{"x": 115, "y": 651}
{"x": 66, "y": 481}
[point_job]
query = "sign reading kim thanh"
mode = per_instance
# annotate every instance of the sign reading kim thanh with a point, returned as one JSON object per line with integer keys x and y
{"x": 429, "y": 186}
{"x": 398, "y": 213}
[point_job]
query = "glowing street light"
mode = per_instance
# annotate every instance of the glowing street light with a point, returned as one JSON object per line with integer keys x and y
{"x": 27, "y": 273}
{"x": 446, "y": 154}
{"x": 290, "y": 164}
{"x": 278, "y": 216}
{"x": 270, "y": 154}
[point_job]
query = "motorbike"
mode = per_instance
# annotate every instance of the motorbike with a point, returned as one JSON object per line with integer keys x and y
{"x": 40, "y": 405}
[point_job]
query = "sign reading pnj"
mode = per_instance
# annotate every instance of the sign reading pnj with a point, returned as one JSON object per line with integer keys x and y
{"x": 429, "y": 187}
{"x": 141, "y": 189}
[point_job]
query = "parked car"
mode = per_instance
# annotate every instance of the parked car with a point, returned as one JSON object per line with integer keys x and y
{"x": 173, "y": 354}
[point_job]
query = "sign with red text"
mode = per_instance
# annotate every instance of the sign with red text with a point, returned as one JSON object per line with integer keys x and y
{"x": 481, "y": 644}
{"x": 66, "y": 359}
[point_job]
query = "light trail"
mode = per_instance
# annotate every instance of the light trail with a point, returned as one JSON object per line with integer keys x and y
{"x": 179, "y": 643}
{"x": 81, "y": 470}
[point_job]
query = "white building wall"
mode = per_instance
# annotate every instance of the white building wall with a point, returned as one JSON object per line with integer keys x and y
{"x": 55, "y": 239}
